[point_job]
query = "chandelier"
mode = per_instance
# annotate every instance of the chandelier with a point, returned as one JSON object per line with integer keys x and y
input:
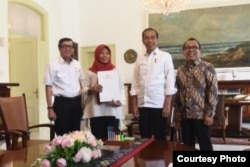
{"x": 166, "y": 6}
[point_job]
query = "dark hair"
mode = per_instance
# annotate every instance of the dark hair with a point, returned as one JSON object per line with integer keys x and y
{"x": 191, "y": 39}
{"x": 63, "y": 40}
{"x": 150, "y": 29}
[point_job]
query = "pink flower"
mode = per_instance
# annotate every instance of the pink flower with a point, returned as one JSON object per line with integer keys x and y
{"x": 45, "y": 163}
{"x": 67, "y": 141}
{"x": 78, "y": 157}
{"x": 96, "y": 153}
{"x": 48, "y": 149}
{"x": 92, "y": 142}
{"x": 61, "y": 162}
{"x": 57, "y": 141}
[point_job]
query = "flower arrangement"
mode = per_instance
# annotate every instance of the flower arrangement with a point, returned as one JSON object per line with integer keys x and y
{"x": 76, "y": 149}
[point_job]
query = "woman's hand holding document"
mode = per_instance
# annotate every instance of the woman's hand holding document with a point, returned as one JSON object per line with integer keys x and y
{"x": 110, "y": 87}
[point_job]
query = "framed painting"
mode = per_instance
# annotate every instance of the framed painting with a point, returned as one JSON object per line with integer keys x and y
{"x": 224, "y": 34}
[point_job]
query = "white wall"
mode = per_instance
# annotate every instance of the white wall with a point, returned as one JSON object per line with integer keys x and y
{"x": 118, "y": 22}
{"x": 64, "y": 21}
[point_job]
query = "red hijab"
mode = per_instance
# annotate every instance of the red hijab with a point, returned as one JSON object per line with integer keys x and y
{"x": 98, "y": 65}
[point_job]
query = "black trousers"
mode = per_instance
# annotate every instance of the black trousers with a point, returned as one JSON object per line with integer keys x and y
{"x": 151, "y": 123}
{"x": 99, "y": 126}
{"x": 193, "y": 129}
{"x": 68, "y": 114}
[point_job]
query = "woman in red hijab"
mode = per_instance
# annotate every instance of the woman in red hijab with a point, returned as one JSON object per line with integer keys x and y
{"x": 100, "y": 116}
{"x": 102, "y": 60}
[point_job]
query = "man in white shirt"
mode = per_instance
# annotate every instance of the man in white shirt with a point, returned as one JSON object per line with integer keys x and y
{"x": 152, "y": 87}
{"x": 62, "y": 80}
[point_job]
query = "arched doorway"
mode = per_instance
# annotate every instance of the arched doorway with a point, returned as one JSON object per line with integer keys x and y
{"x": 27, "y": 54}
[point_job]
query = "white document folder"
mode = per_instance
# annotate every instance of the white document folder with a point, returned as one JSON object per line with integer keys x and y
{"x": 110, "y": 85}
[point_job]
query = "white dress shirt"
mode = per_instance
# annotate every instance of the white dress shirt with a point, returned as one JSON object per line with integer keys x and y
{"x": 153, "y": 79}
{"x": 65, "y": 78}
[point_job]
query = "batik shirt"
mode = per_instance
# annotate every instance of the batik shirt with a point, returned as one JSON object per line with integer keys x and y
{"x": 197, "y": 90}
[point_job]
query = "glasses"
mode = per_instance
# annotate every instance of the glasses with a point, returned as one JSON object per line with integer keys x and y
{"x": 67, "y": 47}
{"x": 191, "y": 47}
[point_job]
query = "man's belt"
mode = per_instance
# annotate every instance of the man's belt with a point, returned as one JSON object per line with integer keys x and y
{"x": 68, "y": 98}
